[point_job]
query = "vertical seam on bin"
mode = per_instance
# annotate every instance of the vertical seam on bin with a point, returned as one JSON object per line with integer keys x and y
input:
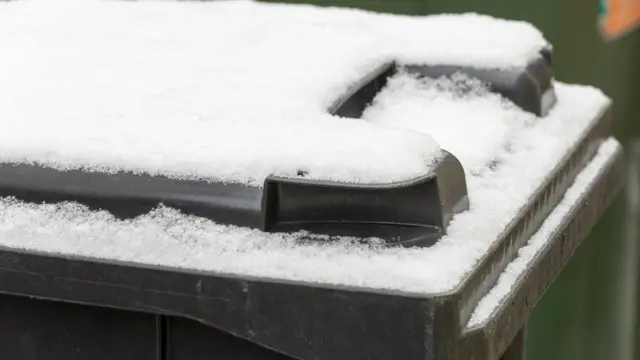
{"x": 162, "y": 337}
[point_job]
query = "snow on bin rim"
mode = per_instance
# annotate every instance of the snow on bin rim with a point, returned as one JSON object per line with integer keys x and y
{"x": 528, "y": 253}
{"x": 223, "y": 91}
{"x": 168, "y": 238}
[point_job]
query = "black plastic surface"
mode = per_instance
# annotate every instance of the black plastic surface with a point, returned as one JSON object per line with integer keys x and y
{"x": 34, "y": 329}
{"x": 530, "y": 87}
{"x": 297, "y": 319}
{"x": 128, "y": 195}
{"x": 395, "y": 211}
{"x": 44, "y": 330}
{"x": 409, "y": 213}
{"x": 182, "y": 315}
{"x": 190, "y": 340}
{"x": 66, "y": 307}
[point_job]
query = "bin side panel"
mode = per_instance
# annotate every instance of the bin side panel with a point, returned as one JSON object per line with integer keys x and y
{"x": 39, "y": 330}
{"x": 188, "y": 339}
{"x": 315, "y": 323}
{"x": 298, "y": 320}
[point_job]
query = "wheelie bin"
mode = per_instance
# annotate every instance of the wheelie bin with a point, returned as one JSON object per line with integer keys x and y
{"x": 306, "y": 263}
{"x": 596, "y": 42}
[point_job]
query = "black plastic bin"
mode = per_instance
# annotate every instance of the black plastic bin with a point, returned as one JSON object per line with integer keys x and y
{"x": 38, "y": 329}
{"x": 65, "y": 307}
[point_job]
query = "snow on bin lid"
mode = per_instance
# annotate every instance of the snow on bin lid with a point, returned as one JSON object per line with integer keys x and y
{"x": 225, "y": 91}
{"x": 235, "y": 91}
{"x": 528, "y": 149}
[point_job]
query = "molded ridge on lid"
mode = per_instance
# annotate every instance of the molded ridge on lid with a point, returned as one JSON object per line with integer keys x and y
{"x": 408, "y": 213}
{"x": 220, "y": 118}
{"x": 530, "y": 88}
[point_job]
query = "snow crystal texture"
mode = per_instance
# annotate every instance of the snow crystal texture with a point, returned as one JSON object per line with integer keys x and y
{"x": 528, "y": 253}
{"x": 229, "y": 91}
{"x": 520, "y": 149}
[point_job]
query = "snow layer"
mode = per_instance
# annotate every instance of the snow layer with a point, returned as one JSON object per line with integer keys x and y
{"x": 518, "y": 267}
{"x": 531, "y": 147}
{"x": 226, "y": 91}
{"x": 466, "y": 119}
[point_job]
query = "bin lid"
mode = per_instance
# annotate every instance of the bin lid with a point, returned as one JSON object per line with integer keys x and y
{"x": 229, "y": 92}
{"x": 501, "y": 195}
{"x": 227, "y": 100}
{"x": 238, "y": 92}
{"x": 202, "y": 115}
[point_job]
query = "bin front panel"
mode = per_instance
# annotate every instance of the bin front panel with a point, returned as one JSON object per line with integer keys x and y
{"x": 35, "y": 329}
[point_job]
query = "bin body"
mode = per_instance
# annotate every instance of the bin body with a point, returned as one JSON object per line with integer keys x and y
{"x": 41, "y": 329}
{"x": 582, "y": 316}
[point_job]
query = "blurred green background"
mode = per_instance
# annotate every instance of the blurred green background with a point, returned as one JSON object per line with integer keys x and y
{"x": 589, "y": 313}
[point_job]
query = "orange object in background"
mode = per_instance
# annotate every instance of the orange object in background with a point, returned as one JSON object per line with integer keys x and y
{"x": 618, "y": 17}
